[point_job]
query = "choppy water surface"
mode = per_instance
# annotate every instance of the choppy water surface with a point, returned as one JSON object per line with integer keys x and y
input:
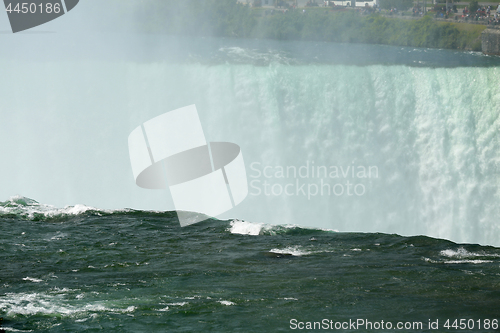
{"x": 84, "y": 269}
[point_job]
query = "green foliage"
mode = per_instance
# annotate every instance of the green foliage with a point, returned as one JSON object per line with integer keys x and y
{"x": 399, "y": 4}
{"x": 373, "y": 29}
{"x": 228, "y": 18}
{"x": 197, "y": 17}
{"x": 473, "y": 6}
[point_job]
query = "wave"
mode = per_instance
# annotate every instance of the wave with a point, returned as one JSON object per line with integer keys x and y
{"x": 254, "y": 229}
{"x": 62, "y": 303}
{"x": 29, "y": 209}
{"x": 462, "y": 253}
{"x": 433, "y": 250}
{"x": 464, "y": 261}
{"x": 27, "y": 304}
{"x": 246, "y": 228}
{"x": 35, "y": 280}
{"x": 295, "y": 251}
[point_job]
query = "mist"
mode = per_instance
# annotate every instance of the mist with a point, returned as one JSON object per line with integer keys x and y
{"x": 73, "y": 89}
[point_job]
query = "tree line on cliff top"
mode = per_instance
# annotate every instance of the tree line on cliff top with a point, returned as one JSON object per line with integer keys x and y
{"x": 228, "y": 18}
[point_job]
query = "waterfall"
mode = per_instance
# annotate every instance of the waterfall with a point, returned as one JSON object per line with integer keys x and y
{"x": 421, "y": 144}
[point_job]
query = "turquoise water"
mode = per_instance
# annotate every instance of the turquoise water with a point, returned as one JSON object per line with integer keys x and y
{"x": 426, "y": 120}
{"x": 81, "y": 269}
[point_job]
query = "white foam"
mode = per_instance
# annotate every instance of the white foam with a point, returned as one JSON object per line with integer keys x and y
{"x": 226, "y": 303}
{"x": 30, "y": 304}
{"x": 77, "y": 209}
{"x": 40, "y": 303}
{"x": 11, "y": 329}
{"x": 129, "y": 309}
{"x": 59, "y": 235}
{"x": 30, "y": 208}
{"x": 81, "y": 320}
{"x": 63, "y": 290}
{"x": 463, "y": 261}
{"x": 178, "y": 304}
{"x": 255, "y": 229}
{"x": 291, "y": 226}
{"x": 467, "y": 261}
{"x": 462, "y": 253}
{"x": 32, "y": 279}
{"x": 293, "y": 250}
{"x": 245, "y": 228}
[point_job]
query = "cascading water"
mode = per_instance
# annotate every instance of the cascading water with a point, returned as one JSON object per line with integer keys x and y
{"x": 395, "y": 149}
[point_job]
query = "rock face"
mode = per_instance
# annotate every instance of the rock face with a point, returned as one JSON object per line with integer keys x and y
{"x": 490, "y": 41}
